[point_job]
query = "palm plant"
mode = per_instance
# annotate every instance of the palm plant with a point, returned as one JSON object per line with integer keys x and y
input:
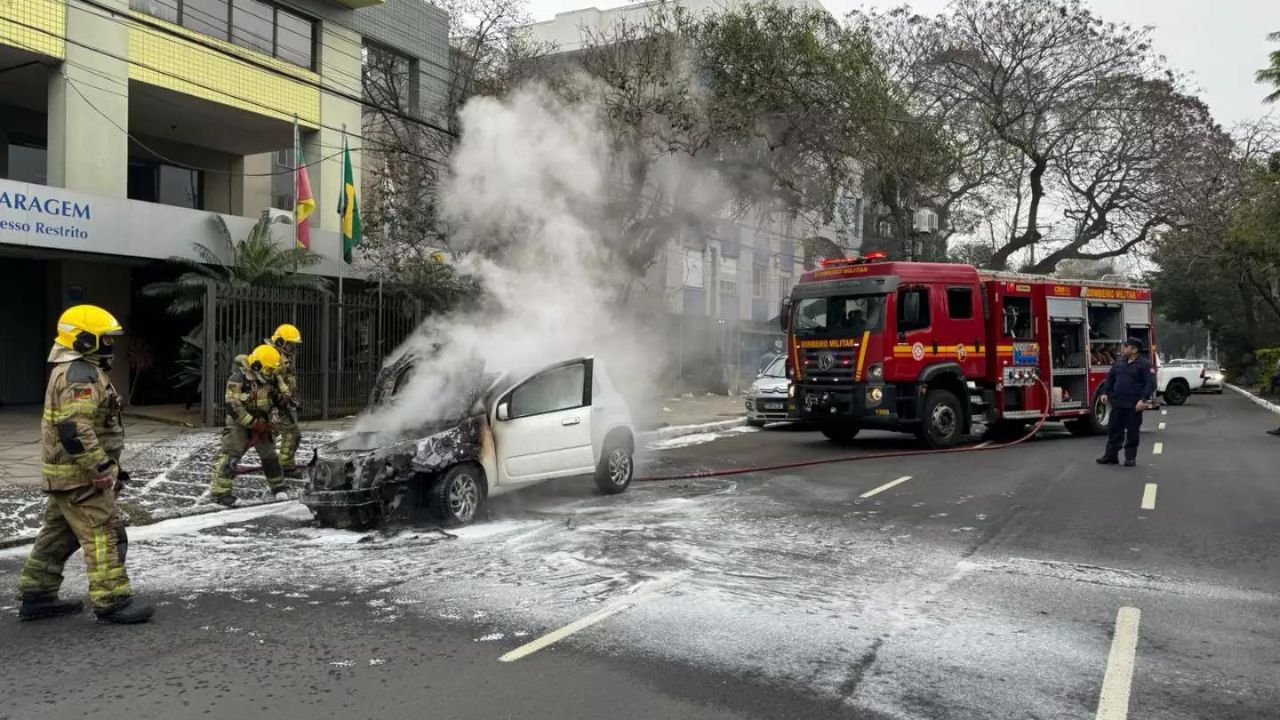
{"x": 1272, "y": 74}
{"x": 256, "y": 261}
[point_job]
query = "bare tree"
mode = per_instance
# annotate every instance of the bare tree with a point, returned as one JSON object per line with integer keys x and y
{"x": 1033, "y": 70}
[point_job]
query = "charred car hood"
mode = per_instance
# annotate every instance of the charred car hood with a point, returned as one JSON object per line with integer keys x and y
{"x": 362, "y": 460}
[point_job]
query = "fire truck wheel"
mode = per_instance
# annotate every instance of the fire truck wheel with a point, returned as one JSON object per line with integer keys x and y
{"x": 842, "y": 433}
{"x": 943, "y": 419}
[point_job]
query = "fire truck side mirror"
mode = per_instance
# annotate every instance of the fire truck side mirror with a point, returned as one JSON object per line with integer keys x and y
{"x": 784, "y": 314}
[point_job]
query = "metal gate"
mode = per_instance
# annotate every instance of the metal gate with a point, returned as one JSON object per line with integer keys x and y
{"x": 343, "y": 344}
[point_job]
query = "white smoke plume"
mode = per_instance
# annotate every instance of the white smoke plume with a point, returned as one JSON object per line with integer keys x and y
{"x": 526, "y": 198}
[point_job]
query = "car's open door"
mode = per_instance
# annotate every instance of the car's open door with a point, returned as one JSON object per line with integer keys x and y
{"x": 542, "y": 426}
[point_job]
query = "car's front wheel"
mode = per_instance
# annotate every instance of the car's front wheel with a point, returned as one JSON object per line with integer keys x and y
{"x": 456, "y": 496}
{"x": 616, "y": 468}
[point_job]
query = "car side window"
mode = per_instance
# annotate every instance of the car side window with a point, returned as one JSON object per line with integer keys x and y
{"x": 561, "y": 388}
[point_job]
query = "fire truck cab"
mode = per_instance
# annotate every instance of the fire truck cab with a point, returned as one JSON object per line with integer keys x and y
{"x": 935, "y": 349}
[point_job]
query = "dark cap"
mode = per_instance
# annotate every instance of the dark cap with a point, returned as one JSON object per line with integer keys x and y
{"x": 1136, "y": 344}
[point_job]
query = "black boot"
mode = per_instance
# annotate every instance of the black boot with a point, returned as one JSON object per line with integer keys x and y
{"x": 224, "y": 499}
{"x": 1104, "y": 460}
{"x": 1130, "y": 462}
{"x": 41, "y": 605}
{"x": 125, "y": 612}
{"x": 1274, "y": 432}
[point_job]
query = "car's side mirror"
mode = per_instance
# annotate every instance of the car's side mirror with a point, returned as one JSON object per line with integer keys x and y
{"x": 504, "y": 411}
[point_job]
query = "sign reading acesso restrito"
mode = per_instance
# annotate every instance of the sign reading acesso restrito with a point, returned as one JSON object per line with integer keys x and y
{"x": 50, "y": 207}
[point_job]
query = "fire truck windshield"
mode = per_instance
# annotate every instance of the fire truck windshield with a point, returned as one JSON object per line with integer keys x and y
{"x": 840, "y": 315}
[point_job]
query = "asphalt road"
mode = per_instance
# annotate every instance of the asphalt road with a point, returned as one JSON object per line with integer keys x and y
{"x": 1015, "y": 583}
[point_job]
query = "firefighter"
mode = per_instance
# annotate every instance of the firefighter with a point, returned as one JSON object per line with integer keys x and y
{"x": 81, "y": 438}
{"x": 251, "y": 394}
{"x": 1128, "y": 387}
{"x": 286, "y": 339}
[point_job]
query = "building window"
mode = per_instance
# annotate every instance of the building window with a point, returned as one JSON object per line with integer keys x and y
{"x": 757, "y": 282}
{"x": 159, "y": 183}
{"x": 205, "y": 16}
{"x": 693, "y": 268}
{"x": 295, "y": 38}
{"x": 28, "y": 161}
{"x": 252, "y": 24}
{"x": 784, "y": 286}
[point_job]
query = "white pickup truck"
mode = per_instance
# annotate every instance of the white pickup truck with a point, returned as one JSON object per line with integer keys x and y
{"x": 1175, "y": 383}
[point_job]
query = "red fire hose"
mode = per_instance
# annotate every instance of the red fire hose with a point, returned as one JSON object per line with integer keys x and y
{"x": 1044, "y": 416}
{"x": 851, "y": 458}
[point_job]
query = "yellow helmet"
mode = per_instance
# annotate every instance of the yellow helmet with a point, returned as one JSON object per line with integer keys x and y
{"x": 286, "y": 333}
{"x": 263, "y": 359}
{"x": 82, "y": 327}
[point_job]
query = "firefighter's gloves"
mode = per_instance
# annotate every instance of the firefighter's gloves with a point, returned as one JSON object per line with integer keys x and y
{"x": 108, "y": 473}
{"x": 122, "y": 479}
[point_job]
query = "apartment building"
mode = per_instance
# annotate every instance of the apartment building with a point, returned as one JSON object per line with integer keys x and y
{"x": 125, "y": 124}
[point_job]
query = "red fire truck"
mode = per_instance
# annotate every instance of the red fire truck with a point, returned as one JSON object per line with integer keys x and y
{"x": 936, "y": 349}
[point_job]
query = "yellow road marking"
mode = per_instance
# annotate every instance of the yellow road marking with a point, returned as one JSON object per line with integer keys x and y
{"x": 1113, "y": 703}
{"x": 556, "y": 636}
{"x": 1149, "y": 497}
{"x": 885, "y": 486}
{"x": 1158, "y": 449}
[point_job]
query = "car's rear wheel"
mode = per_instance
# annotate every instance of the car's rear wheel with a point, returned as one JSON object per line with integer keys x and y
{"x": 1177, "y": 391}
{"x": 616, "y": 468}
{"x": 456, "y": 496}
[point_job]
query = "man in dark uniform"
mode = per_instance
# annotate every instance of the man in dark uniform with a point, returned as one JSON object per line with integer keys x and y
{"x": 1128, "y": 387}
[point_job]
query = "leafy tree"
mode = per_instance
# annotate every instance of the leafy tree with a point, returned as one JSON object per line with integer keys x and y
{"x": 256, "y": 261}
{"x": 1272, "y": 74}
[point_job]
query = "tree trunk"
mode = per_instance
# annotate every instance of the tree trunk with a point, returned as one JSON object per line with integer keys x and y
{"x": 1000, "y": 259}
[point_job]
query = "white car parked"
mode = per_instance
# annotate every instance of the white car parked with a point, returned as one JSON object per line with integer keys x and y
{"x": 1214, "y": 379}
{"x": 768, "y": 398}
{"x": 565, "y": 420}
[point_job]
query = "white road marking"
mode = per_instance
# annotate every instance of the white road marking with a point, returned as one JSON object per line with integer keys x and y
{"x": 885, "y": 486}
{"x": 555, "y": 636}
{"x": 1113, "y": 703}
{"x": 1158, "y": 449}
{"x": 1162, "y": 426}
{"x": 1149, "y": 497}
{"x": 1164, "y": 412}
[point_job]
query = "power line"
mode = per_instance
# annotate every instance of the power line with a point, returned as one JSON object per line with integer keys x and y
{"x": 221, "y": 51}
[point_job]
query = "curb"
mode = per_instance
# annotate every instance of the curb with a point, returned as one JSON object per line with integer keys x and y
{"x": 13, "y": 541}
{"x": 682, "y": 430}
{"x": 1256, "y": 400}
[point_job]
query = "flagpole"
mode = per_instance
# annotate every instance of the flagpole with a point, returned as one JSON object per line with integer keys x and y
{"x": 295, "y": 180}
{"x": 342, "y": 262}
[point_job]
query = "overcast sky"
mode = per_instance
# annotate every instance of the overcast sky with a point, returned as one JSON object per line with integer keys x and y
{"x": 1218, "y": 43}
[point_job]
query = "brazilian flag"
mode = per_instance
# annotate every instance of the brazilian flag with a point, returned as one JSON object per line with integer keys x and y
{"x": 348, "y": 208}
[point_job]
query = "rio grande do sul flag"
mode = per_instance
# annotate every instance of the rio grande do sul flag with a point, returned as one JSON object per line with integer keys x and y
{"x": 305, "y": 203}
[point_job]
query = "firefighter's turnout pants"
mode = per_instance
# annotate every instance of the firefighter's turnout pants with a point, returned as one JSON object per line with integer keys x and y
{"x": 236, "y": 441}
{"x": 89, "y": 525}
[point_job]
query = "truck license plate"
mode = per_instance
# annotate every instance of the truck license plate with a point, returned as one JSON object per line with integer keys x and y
{"x": 771, "y": 406}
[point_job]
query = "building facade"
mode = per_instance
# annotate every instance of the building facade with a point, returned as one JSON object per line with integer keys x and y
{"x": 127, "y": 124}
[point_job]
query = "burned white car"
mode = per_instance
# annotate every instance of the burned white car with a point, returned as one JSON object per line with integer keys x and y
{"x": 565, "y": 420}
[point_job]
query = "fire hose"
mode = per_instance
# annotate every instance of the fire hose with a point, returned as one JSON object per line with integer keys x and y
{"x": 1044, "y": 417}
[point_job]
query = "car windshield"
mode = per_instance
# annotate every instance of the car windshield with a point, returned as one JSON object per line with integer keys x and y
{"x": 843, "y": 314}
{"x": 777, "y": 368}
